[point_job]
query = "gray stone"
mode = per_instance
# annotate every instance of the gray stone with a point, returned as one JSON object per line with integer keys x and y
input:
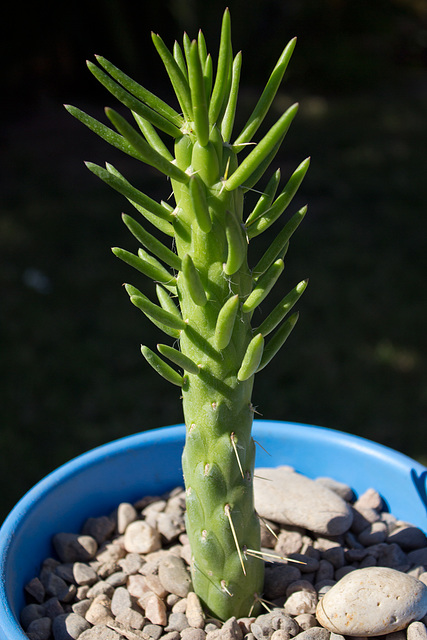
{"x": 418, "y": 556}
{"x": 130, "y": 618}
{"x": 194, "y": 611}
{"x": 121, "y": 600}
{"x": 72, "y": 547}
{"x": 306, "y": 621}
{"x": 301, "y": 602}
{"x": 408, "y": 537}
{"x": 100, "y": 632}
{"x": 343, "y": 490}
{"x": 131, "y": 563}
{"x": 191, "y": 633}
{"x": 35, "y": 589}
{"x": 126, "y": 513}
{"x": 288, "y": 542}
{"x": 372, "y": 601}
{"x": 81, "y": 607}
{"x": 99, "y": 611}
{"x": 373, "y": 534}
{"x": 117, "y": 579}
{"x": 314, "y": 633}
{"x": 84, "y": 574}
{"x": 177, "y": 622}
{"x": 170, "y": 525}
{"x": 99, "y": 528}
{"x": 69, "y": 626}
{"x": 174, "y": 576}
{"x": 40, "y": 628}
{"x": 290, "y": 498}
{"x": 31, "y": 612}
{"x": 370, "y": 499}
{"x": 155, "y": 610}
{"x": 277, "y": 578}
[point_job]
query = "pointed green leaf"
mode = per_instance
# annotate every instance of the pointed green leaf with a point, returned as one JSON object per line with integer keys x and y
{"x": 177, "y": 78}
{"x": 179, "y": 358}
{"x": 252, "y": 358}
{"x": 154, "y": 311}
{"x": 279, "y": 243}
{"x": 266, "y": 198}
{"x": 152, "y": 137}
{"x": 277, "y": 341}
{"x": 208, "y": 75}
{"x": 198, "y": 95}
{"x": 282, "y": 309}
{"x": 180, "y": 59}
{"x": 154, "y": 271}
{"x": 225, "y": 322}
{"x": 166, "y": 301}
{"x": 125, "y": 188}
{"x": 151, "y": 243}
{"x": 193, "y": 281}
{"x": 230, "y": 111}
{"x": 262, "y": 149}
{"x": 141, "y": 93}
{"x": 201, "y": 43}
{"x": 219, "y": 95}
{"x": 173, "y": 333}
{"x": 236, "y": 244}
{"x": 148, "y": 154}
{"x": 267, "y": 96}
{"x": 281, "y": 203}
{"x": 133, "y": 103}
{"x": 161, "y": 367}
{"x": 263, "y": 287}
{"x": 199, "y": 202}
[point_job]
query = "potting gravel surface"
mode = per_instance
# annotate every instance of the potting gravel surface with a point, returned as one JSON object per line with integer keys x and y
{"x": 125, "y": 576}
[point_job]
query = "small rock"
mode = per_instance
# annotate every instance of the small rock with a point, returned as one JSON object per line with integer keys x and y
{"x": 416, "y": 631}
{"x": 121, "y": 600}
{"x": 126, "y": 513}
{"x": 174, "y": 575}
{"x": 100, "y": 588}
{"x": 40, "y": 628}
{"x": 373, "y": 534}
{"x": 137, "y": 586}
{"x": 177, "y": 622}
{"x": 31, "y": 612}
{"x": 84, "y": 574}
{"x": 141, "y": 538}
{"x": 117, "y": 579}
{"x": 370, "y": 499}
{"x": 418, "y": 556}
{"x": 288, "y": 542}
{"x": 69, "y": 626}
{"x": 306, "y": 621}
{"x": 99, "y": 611}
{"x": 372, "y": 601}
{"x": 291, "y": 498}
{"x": 35, "y": 589}
{"x": 131, "y": 563}
{"x": 99, "y": 528}
{"x": 153, "y": 631}
{"x": 155, "y": 585}
{"x": 301, "y": 602}
{"x": 280, "y": 634}
{"x": 343, "y": 490}
{"x": 314, "y": 633}
{"x": 171, "y": 635}
{"x": 53, "y": 608}
{"x": 81, "y": 607}
{"x": 110, "y": 554}
{"x": 72, "y": 547}
{"x": 193, "y": 634}
{"x": 100, "y": 632}
{"x": 408, "y": 537}
{"x": 277, "y": 578}
{"x": 131, "y": 619}
{"x": 155, "y": 610}
{"x": 180, "y": 606}
{"x": 194, "y": 611}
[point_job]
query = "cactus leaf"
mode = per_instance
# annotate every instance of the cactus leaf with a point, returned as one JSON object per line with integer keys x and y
{"x": 280, "y": 243}
{"x": 180, "y": 59}
{"x": 126, "y": 189}
{"x": 225, "y": 322}
{"x": 176, "y": 76}
{"x": 266, "y": 198}
{"x": 230, "y": 111}
{"x": 199, "y": 202}
{"x": 263, "y": 286}
{"x": 148, "y": 154}
{"x": 236, "y": 244}
{"x": 198, "y": 95}
{"x": 277, "y": 341}
{"x": 262, "y": 150}
{"x": 166, "y": 301}
{"x": 280, "y": 204}
{"x": 152, "y": 137}
{"x": 178, "y": 358}
{"x": 282, "y": 309}
{"x": 267, "y": 96}
{"x": 151, "y": 243}
{"x": 224, "y": 69}
{"x": 193, "y": 281}
{"x": 252, "y": 358}
{"x": 133, "y": 103}
{"x": 161, "y": 367}
{"x": 158, "y": 313}
{"x": 141, "y": 93}
{"x": 155, "y": 271}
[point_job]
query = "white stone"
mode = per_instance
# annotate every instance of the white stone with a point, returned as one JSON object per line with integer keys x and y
{"x": 372, "y": 601}
{"x": 288, "y": 497}
{"x": 141, "y": 538}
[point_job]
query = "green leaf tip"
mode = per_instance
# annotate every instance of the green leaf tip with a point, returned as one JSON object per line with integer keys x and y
{"x": 162, "y": 367}
{"x": 252, "y": 358}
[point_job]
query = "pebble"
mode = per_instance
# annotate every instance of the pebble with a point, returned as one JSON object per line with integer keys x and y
{"x": 372, "y": 601}
{"x": 69, "y": 626}
{"x": 194, "y": 611}
{"x": 72, "y": 547}
{"x": 288, "y": 497}
{"x": 155, "y": 610}
{"x": 139, "y": 537}
{"x": 417, "y": 631}
{"x": 126, "y": 513}
{"x": 174, "y": 575}
{"x": 40, "y": 628}
{"x": 99, "y": 528}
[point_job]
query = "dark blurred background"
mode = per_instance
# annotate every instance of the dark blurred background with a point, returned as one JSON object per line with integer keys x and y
{"x": 72, "y": 376}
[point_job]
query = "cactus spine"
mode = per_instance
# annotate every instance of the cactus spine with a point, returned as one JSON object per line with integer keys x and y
{"x": 206, "y": 291}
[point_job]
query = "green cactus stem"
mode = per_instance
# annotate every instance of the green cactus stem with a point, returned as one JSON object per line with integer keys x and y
{"x": 206, "y": 291}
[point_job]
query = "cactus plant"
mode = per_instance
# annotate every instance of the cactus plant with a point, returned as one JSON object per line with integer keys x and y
{"x": 207, "y": 293}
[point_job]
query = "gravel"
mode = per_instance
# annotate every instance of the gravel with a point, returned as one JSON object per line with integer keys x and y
{"x": 126, "y": 576}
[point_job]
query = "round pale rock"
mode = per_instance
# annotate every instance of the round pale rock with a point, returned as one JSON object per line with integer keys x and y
{"x": 141, "y": 538}
{"x": 287, "y": 497}
{"x": 371, "y": 602}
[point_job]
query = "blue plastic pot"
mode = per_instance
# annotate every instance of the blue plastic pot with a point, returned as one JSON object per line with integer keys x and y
{"x": 150, "y": 463}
